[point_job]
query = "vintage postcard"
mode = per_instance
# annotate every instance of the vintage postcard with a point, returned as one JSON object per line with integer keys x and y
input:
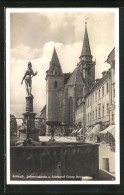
{"x": 62, "y": 96}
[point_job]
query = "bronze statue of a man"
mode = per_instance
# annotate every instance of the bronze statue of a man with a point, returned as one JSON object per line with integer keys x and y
{"x": 27, "y": 76}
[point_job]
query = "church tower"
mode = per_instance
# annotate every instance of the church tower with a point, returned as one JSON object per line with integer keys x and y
{"x": 54, "y": 89}
{"x": 86, "y": 64}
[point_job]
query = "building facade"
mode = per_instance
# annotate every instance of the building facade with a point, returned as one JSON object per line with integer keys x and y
{"x": 111, "y": 60}
{"x": 97, "y": 103}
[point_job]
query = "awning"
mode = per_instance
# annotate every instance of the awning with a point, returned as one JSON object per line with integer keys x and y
{"x": 79, "y": 130}
{"x": 110, "y": 129}
{"x": 74, "y": 131}
{"x": 95, "y": 130}
{"x": 88, "y": 130}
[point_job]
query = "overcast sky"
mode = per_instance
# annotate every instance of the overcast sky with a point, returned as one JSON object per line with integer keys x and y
{"x": 32, "y": 38}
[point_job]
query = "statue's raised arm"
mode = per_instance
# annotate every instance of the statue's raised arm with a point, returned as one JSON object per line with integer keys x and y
{"x": 29, "y": 73}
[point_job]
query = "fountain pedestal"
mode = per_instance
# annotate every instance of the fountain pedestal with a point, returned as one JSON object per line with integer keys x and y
{"x": 31, "y": 131}
{"x": 29, "y": 120}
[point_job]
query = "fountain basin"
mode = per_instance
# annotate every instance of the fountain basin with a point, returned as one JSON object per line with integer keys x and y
{"x": 55, "y": 159}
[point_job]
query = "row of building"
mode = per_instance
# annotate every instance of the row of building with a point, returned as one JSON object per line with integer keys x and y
{"x": 99, "y": 102}
{"x": 77, "y": 99}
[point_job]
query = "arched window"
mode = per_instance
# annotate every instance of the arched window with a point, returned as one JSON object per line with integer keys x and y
{"x": 70, "y": 109}
{"x": 78, "y": 102}
{"x": 55, "y": 84}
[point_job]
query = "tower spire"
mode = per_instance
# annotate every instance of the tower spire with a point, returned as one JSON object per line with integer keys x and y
{"x": 55, "y": 59}
{"x": 86, "y": 64}
{"x": 55, "y": 67}
{"x": 86, "y": 52}
{"x": 85, "y": 24}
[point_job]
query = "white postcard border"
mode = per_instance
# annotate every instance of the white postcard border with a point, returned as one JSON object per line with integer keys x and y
{"x": 117, "y": 133}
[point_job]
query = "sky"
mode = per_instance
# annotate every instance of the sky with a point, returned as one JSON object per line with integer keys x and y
{"x": 33, "y": 37}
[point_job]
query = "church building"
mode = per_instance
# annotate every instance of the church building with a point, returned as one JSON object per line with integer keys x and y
{"x": 79, "y": 83}
{"x": 72, "y": 98}
{"x": 64, "y": 90}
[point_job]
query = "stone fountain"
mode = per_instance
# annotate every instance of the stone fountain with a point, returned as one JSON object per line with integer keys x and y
{"x": 50, "y": 160}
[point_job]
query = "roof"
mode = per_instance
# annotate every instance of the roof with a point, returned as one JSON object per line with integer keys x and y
{"x": 76, "y": 77}
{"x": 55, "y": 59}
{"x": 86, "y": 46}
{"x": 43, "y": 109}
{"x": 96, "y": 85}
{"x": 111, "y": 56}
{"x": 54, "y": 63}
{"x": 66, "y": 77}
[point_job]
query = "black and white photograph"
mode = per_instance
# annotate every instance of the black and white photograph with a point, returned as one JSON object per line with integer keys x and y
{"x": 62, "y": 96}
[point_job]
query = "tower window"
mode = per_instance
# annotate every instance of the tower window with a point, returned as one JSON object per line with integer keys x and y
{"x": 55, "y": 84}
{"x": 70, "y": 109}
